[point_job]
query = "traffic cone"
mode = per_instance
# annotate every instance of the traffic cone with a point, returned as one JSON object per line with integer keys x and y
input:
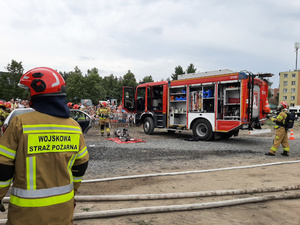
{"x": 292, "y": 135}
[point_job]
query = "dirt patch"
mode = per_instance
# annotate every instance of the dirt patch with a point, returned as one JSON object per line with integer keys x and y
{"x": 271, "y": 212}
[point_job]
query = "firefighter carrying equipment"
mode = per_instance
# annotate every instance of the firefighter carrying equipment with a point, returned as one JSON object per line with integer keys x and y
{"x": 281, "y": 136}
{"x": 45, "y": 157}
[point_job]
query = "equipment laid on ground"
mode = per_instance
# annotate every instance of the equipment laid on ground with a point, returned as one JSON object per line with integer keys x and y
{"x": 211, "y": 104}
{"x": 121, "y": 129}
{"x": 122, "y": 134}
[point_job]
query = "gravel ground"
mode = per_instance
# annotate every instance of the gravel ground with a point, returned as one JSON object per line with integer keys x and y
{"x": 164, "y": 151}
{"x": 168, "y": 153}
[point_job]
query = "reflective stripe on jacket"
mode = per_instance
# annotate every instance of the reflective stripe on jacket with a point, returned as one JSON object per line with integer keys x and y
{"x": 43, "y": 149}
{"x": 103, "y": 113}
{"x": 280, "y": 119}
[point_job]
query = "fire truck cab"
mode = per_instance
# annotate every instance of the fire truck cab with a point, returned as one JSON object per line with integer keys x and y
{"x": 211, "y": 103}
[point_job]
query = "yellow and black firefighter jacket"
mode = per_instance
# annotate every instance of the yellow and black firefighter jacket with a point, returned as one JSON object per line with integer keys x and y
{"x": 2, "y": 116}
{"x": 44, "y": 157}
{"x": 280, "y": 119}
{"x": 281, "y": 136}
{"x": 103, "y": 114}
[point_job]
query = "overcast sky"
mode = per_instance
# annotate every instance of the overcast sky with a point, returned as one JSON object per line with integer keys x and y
{"x": 151, "y": 37}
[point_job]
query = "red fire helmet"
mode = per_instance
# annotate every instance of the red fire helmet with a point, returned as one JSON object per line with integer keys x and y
{"x": 7, "y": 105}
{"x": 284, "y": 105}
{"x": 75, "y": 106}
{"x": 43, "y": 81}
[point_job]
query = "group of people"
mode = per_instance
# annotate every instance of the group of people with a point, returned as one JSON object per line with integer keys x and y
{"x": 43, "y": 154}
{"x": 105, "y": 113}
{"x": 15, "y": 104}
{"x": 110, "y": 114}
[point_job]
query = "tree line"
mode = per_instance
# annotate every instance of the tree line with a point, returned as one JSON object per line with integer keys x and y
{"x": 79, "y": 86}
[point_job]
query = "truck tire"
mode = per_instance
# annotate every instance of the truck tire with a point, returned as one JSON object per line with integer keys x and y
{"x": 148, "y": 125}
{"x": 203, "y": 130}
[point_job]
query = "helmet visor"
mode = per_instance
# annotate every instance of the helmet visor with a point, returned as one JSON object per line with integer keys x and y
{"x": 24, "y": 86}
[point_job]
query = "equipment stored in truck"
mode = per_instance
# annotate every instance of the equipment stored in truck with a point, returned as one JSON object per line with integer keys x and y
{"x": 211, "y": 104}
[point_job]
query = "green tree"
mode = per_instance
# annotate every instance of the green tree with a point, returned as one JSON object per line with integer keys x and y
{"x": 119, "y": 90}
{"x": 129, "y": 79}
{"x": 269, "y": 91}
{"x": 4, "y": 86}
{"x": 147, "y": 79}
{"x": 75, "y": 86}
{"x": 191, "y": 69}
{"x": 93, "y": 86}
{"x": 112, "y": 86}
{"x": 178, "y": 71}
{"x": 65, "y": 75}
{"x": 9, "y": 81}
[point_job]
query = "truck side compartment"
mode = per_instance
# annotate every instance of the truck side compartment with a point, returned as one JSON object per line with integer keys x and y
{"x": 209, "y": 104}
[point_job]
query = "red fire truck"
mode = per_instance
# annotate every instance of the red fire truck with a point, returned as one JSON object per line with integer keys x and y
{"x": 211, "y": 104}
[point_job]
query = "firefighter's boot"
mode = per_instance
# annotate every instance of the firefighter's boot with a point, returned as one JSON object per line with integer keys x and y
{"x": 102, "y": 134}
{"x": 285, "y": 153}
{"x": 2, "y": 208}
{"x": 108, "y": 134}
{"x": 270, "y": 153}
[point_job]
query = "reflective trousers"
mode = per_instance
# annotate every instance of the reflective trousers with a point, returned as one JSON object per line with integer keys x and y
{"x": 281, "y": 137}
{"x": 104, "y": 124}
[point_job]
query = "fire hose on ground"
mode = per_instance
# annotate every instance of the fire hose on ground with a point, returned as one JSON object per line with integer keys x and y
{"x": 184, "y": 207}
{"x": 186, "y": 172}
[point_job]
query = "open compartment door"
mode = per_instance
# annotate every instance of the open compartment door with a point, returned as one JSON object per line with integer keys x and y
{"x": 128, "y": 96}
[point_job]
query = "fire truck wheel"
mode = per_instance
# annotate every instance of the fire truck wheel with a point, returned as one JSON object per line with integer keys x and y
{"x": 148, "y": 125}
{"x": 202, "y": 129}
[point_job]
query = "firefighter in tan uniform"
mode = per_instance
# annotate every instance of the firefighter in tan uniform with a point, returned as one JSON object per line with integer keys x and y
{"x": 281, "y": 136}
{"x": 5, "y": 109}
{"x": 103, "y": 112}
{"x": 2, "y": 114}
{"x": 70, "y": 105}
{"x": 43, "y": 154}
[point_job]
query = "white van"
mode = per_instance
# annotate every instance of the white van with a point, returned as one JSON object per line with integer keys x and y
{"x": 87, "y": 102}
{"x": 296, "y": 110}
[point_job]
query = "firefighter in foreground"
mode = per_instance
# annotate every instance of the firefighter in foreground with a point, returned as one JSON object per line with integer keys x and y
{"x": 281, "y": 136}
{"x": 43, "y": 153}
{"x": 103, "y": 112}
